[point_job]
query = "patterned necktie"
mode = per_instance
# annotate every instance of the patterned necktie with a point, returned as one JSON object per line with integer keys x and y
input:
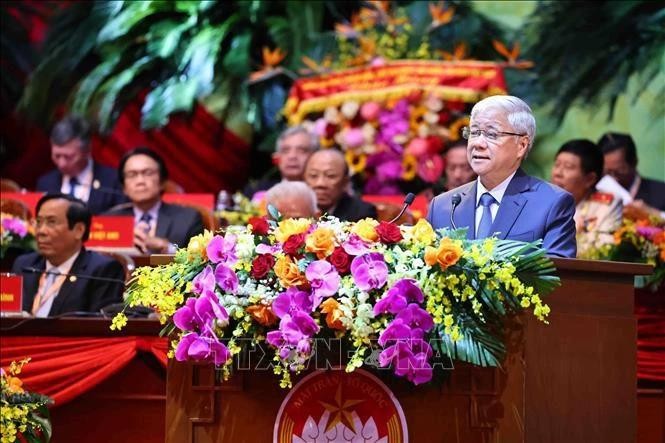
{"x": 73, "y": 182}
{"x": 146, "y": 218}
{"x": 42, "y": 292}
{"x": 485, "y": 225}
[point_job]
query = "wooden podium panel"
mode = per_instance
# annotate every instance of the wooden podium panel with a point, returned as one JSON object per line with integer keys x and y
{"x": 573, "y": 380}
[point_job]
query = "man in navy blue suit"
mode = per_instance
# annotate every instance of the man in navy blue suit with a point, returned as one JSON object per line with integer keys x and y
{"x": 77, "y": 174}
{"x": 503, "y": 200}
{"x": 62, "y": 225}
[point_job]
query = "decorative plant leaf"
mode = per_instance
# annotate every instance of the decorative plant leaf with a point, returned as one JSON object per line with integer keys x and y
{"x": 167, "y": 98}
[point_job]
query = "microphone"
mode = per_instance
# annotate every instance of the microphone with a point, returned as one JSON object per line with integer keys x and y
{"x": 72, "y": 277}
{"x": 455, "y": 201}
{"x": 407, "y": 202}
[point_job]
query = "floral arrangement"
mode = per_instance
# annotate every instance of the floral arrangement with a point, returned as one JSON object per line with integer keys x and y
{"x": 640, "y": 239}
{"x": 243, "y": 209}
{"x": 392, "y": 142}
{"x": 24, "y": 416}
{"x": 374, "y": 285}
{"x": 15, "y": 233}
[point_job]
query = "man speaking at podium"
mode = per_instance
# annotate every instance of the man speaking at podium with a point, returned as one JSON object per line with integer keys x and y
{"x": 63, "y": 277}
{"x": 503, "y": 200}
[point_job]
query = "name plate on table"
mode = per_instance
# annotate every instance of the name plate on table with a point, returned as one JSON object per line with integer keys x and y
{"x": 29, "y": 199}
{"x": 111, "y": 231}
{"x": 205, "y": 200}
{"x": 11, "y": 293}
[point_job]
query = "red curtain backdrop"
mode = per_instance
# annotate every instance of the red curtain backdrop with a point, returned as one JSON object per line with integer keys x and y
{"x": 650, "y": 313}
{"x": 64, "y": 368}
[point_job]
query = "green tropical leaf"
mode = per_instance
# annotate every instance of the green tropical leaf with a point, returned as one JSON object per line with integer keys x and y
{"x": 91, "y": 83}
{"x": 130, "y": 14}
{"x": 237, "y": 61}
{"x": 170, "y": 97}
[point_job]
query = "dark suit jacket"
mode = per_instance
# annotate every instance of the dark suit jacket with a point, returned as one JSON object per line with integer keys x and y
{"x": 531, "y": 209}
{"x": 652, "y": 192}
{"x": 87, "y": 295}
{"x": 175, "y": 223}
{"x": 101, "y": 199}
{"x": 353, "y": 209}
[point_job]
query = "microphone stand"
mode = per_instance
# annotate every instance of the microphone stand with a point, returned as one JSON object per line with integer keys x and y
{"x": 407, "y": 202}
{"x": 455, "y": 201}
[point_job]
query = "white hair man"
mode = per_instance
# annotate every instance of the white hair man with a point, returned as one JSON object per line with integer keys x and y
{"x": 293, "y": 199}
{"x": 503, "y": 200}
{"x": 294, "y": 146}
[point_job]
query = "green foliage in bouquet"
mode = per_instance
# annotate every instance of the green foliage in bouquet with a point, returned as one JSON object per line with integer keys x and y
{"x": 24, "y": 416}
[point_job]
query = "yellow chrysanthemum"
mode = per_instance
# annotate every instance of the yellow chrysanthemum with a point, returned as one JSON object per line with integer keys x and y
{"x": 356, "y": 161}
{"x": 456, "y": 128}
{"x": 409, "y": 167}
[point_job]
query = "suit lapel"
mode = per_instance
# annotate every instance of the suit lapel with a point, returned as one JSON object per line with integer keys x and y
{"x": 68, "y": 287}
{"x": 164, "y": 221}
{"x": 465, "y": 215}
{"x": 511, "y": 205}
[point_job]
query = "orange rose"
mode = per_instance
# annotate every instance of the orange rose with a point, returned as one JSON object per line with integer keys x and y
{"x": 447, "y": 254}
{"x": 321, "y": 242}
{"x": 262, "y": 314}
{"x": 330, "y": 307}
{"x": 288, "y": 273}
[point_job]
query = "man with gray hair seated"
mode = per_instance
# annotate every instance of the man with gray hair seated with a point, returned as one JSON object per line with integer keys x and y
{"x": 293, "y": 199}
{"x": 503, "y": 200}
{"x": 294, "y": 147}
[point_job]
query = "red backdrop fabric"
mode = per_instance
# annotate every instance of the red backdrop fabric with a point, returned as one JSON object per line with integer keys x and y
{"x": 65, "y": 367}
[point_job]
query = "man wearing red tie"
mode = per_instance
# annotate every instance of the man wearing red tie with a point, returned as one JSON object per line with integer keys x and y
{"x": 62, "y": 276}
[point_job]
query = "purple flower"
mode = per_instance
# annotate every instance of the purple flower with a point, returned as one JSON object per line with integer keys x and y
{"x": 369, "y": 271}
{"x": 267, "y": 249}
{"x": 199, "y": 312}
{"x": 415, "y": 367}
{"x": 397, "y": 330}
{"x": 295, "y": 331}
{"x": 648, "y": 232}
{"x": 185, "y": 317}
{"x": 181, "y": 351}
{"x": 226, "y": 279}
{"x": 396, "y": 298}
{"x": 290, "y": 301}
{"x": 416, "y": 317}
{"x": 15, "y": 226}
{"x": 205, "y": 347}
{"x": 204, "y": 281}
{"x": 222, "y": 250}
{"x": 355, "y": 245}
{"x": 323, "y": 278}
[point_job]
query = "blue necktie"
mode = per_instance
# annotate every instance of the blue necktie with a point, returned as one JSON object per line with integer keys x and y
{"x": 146, "y": 218}
{"x": 485, "y": 225}
{"x": 73, "y": 182}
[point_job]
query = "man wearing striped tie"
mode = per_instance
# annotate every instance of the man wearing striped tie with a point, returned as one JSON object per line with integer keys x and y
{"x": 503, "y": 200}
{"x": 62, "y": 276}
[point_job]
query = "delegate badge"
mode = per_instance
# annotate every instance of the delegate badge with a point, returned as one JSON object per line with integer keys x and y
{"x": 335, "y": 406}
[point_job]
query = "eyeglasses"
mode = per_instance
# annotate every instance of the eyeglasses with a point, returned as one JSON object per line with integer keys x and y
{"x": 145, "y": 173}
{"x": 489, "y": 134}
{"x": 49, "y": 223}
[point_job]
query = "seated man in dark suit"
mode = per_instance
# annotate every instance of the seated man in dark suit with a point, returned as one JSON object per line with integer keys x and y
{"x": 327, "y": 173}
{"x": 504, "y": 200}
{"x": 294, "y": 146}
{"x": 77, "y": 173}
{"x": 621, "y": 163}
{"x": 158, "y": 227}
{"x": 62, "y": 225}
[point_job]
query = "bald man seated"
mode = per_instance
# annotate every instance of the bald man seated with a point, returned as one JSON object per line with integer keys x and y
{"x": 327, "y": 173}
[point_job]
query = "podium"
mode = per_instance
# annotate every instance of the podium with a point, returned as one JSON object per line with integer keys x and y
{"x": 573, "y": 380}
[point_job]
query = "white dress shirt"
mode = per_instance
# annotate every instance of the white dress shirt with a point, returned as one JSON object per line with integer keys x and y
{"x": 82, "y": 189}
{"x": 497, "y": 193}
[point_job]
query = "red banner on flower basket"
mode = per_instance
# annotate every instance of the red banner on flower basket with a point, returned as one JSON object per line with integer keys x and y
{"x": 467, "y": 81}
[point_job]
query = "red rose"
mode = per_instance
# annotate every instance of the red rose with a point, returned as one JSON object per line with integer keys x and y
{"x": 293, "y": 244}
{"x": 340, "y": 260}
{"x": 261, "y": 265}
{"x": 259, "y": 225}
{"x": 388, "y": 232}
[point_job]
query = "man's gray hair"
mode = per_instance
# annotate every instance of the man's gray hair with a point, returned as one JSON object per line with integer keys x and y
{"x": 289, "y": 190}
{"x": 299, "y": 129}
{"x": 518, "y": 113}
